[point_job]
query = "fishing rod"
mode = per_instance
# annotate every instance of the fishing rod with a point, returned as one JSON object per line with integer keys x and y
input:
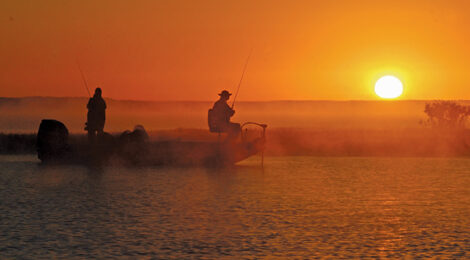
{"x": 84, "y": 79}
{"x": 241, "y": 79}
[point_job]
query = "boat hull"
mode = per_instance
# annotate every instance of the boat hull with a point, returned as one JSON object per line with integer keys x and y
{"x": 54, "y": 146}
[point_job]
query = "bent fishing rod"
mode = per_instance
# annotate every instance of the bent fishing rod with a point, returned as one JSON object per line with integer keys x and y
{"x": 241, "y": 79}
{"x": 84, "y": 79}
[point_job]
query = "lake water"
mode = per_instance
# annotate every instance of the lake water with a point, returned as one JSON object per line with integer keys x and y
{"x": 296, "y": 207}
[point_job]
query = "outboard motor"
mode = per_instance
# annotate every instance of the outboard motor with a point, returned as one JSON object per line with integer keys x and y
{"x": 52, "y": 140}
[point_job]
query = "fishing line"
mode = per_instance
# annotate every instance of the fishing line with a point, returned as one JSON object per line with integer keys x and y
{"x": 83, "y": 78}
{"x": 241, "y": 79}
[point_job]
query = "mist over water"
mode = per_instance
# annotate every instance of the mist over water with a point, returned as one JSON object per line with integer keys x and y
{"x": 294, "y": 207}
{"x": 25, "y": 114}
{"x": 320, "y": 128}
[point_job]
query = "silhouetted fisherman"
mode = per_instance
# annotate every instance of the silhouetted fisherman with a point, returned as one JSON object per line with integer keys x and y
{"x": 219, "y": 117}
{"x": 96, "y": 116}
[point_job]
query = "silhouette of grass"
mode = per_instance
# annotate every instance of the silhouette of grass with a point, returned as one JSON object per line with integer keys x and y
{"x": 17, "y": 143}
{"x": 306, "y": 141}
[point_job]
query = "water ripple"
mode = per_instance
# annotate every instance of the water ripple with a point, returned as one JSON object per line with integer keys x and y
{"x": 296, "y": 207}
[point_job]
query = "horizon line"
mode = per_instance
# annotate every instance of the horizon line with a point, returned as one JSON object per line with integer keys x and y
{"x": 260, "y": 101}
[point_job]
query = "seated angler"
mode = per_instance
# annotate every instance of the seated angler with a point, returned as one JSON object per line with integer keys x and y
{"x": 219, "y": 117}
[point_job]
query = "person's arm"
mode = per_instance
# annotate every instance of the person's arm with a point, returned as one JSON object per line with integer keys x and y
{"x": 229, "y": 110}
{"x": 88, "y": 106}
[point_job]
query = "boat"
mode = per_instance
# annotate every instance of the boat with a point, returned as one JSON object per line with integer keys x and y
{"x": 55, "y": 145}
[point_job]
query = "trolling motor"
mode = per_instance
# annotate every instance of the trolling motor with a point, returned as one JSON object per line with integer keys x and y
{"x": 263, "y": 136}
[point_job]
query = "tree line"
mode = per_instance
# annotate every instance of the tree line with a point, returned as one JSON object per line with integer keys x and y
{"x": 446, "y": 114}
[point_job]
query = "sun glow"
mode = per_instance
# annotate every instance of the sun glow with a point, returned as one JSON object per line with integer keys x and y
{"x": 388, "y": 87}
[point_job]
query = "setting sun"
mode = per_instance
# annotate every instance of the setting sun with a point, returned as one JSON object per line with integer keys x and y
{"x": 388, "y": 87}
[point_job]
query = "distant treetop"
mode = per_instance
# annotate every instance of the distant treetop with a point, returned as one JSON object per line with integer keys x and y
{"x": 446, "y": 114}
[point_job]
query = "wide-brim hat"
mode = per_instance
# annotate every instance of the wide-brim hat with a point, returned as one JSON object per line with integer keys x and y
{"x": 225, "y": 93}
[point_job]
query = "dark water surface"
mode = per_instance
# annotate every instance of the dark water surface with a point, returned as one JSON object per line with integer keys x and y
{"x": 296, "y": 207}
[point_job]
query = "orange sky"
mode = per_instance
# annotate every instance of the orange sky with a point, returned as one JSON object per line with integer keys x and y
{"x": 190, "y": 50}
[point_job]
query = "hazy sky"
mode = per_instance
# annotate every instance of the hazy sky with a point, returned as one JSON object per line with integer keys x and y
{"x": 190, "y": 50}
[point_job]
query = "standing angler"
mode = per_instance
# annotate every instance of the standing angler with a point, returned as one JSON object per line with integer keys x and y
{"x": 96, "y": 115}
